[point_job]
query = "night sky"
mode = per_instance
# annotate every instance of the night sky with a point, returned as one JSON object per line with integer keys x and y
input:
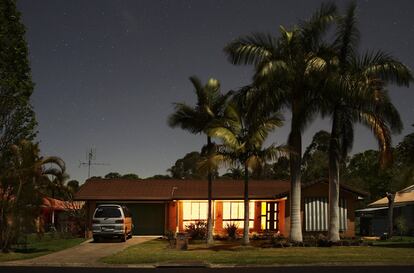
{"x": 107, "y": 72}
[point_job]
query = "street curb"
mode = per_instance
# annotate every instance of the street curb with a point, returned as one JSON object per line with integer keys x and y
{"x": 200, "y": 265}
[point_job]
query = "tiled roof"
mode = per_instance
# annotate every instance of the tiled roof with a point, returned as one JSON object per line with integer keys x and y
{"x": 401, "y": 198}
{"x": 170, "y": 189}
{"x": 56, "y": 204}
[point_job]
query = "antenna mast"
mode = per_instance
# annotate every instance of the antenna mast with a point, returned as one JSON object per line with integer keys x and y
{"x": 90, "y": 157}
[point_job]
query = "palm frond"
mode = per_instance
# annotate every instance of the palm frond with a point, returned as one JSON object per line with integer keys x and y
{"x": 199, "y": 90}
{"x": 187, "y": 118}
{"x": 313, "y": 29}
{"x": 226, "y": 135}
{"x": 383, "y": 135}
{"x": 55, "y": 161}
{"x": 315, "y": 64}
{"x": 260, "y": 129}
{"x": 273, "y": 152}
{"x": 347, "y": 35}
{"x": 379, "y": 65}
{"x": 252, "y": 49}
{"x": 271, "y": 71}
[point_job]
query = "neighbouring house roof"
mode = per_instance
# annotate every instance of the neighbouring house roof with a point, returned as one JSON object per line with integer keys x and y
{"x": 401, "y": 198}
{"x": 408, "y": 189}
{"x": 371, "y": 209}
{"x": 174, "y": 189}
{"x": 171, "y": 189}
{"x": 60, "y": 205}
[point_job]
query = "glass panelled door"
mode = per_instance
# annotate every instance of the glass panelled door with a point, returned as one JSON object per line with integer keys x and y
{"x": 269, "y": 215}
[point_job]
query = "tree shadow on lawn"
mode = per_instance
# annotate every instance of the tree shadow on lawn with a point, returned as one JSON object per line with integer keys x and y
{"x": 221, "y": 247}
{"x": 30, "y": 250}
{"x": 395, "y": 245}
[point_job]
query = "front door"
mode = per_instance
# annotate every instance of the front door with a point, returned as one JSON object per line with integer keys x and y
{"x": 272, "y": 216}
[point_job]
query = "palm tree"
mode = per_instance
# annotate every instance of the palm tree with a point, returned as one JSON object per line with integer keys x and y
{"x": 243, "y": 131}
{"x": 28, "y": 177}
{"x": 209, "y": 107}
{"x": 355, "y": 93}
{"x": 289, "y": 70}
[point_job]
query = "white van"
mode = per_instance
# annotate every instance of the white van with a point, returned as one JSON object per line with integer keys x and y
{"x": 110, "y": 221}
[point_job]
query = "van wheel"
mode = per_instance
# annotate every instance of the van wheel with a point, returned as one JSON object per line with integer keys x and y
{"x": 124, "y": 237}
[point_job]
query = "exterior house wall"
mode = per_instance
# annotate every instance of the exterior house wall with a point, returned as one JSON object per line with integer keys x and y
{"x": 218, "y": 216}
{"x": 322, "y": 190}
{"x": 172, "y": 216}
{"x": 287, "y": 218}
{"x": 282, "y": 217}
{"x": 90, "y": 207}
{"x": 257, "y": 216}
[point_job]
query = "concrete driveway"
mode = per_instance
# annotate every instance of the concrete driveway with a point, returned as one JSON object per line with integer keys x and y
{"x": 85, "y": 254}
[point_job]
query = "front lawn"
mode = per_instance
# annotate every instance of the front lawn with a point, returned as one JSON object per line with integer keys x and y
{"x": 37, "y": 247}
{"x": 157, "y": 251}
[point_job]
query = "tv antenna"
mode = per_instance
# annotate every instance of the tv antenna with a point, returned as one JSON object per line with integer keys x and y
{"x": 90, "y": 157}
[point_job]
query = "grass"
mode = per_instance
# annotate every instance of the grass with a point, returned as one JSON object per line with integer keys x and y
{"x": 156, "y": 251}
{"x": 38, "y": 247}
{"x": 396, "y": 241}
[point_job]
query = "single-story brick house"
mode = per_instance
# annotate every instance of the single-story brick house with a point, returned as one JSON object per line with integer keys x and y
{"x": 158, "y": 206}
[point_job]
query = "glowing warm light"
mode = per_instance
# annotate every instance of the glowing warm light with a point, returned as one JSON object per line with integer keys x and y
{"x": 233, "y": 213}
{"x": 195, "y": 211}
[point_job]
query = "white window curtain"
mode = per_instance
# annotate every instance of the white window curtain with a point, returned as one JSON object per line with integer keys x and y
{"x": 316, "y": 214}
{"x": 195, "y": 211}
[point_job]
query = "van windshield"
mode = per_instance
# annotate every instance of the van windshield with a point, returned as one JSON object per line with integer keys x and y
{"x": 108, "y": 212}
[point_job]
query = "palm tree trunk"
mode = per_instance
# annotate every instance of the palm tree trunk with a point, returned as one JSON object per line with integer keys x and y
{"x": 210, "y": 238}
{"x": 391, "y": 198}
{"x": 334, "y": 158}
{"x": 246, "y": 205}
{"x": 11, "y": 225}
{"x": 295, "y": 143}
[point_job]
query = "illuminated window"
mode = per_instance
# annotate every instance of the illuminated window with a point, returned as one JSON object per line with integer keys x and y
{"x": 194, "y": 211}
{"x": 233, "y": 213}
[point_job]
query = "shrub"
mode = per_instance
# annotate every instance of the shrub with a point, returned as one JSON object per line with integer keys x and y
{"x": 170, "y": 236}
{"x": 197, "y": 230}
{"x": 231, "y": 230}
{"x": 278, "y": 240}
{"x": 323, "y": 241}
{"x": 401, "y": 225}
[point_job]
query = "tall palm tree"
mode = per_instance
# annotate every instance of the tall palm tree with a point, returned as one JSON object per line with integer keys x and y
{"x": 209, "y": 107}
{"x": 356, "y": 93}
{"x": 243, "y": 131}
{"x": 289, "y": 69}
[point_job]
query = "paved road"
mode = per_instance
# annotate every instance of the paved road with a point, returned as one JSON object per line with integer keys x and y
{"x": 290, "y": 269}
{"x": 85, "y": 254}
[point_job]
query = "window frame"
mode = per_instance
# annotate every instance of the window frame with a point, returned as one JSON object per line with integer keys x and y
{"x": 238, "y": 219}
{"x": 190, "y": 220}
